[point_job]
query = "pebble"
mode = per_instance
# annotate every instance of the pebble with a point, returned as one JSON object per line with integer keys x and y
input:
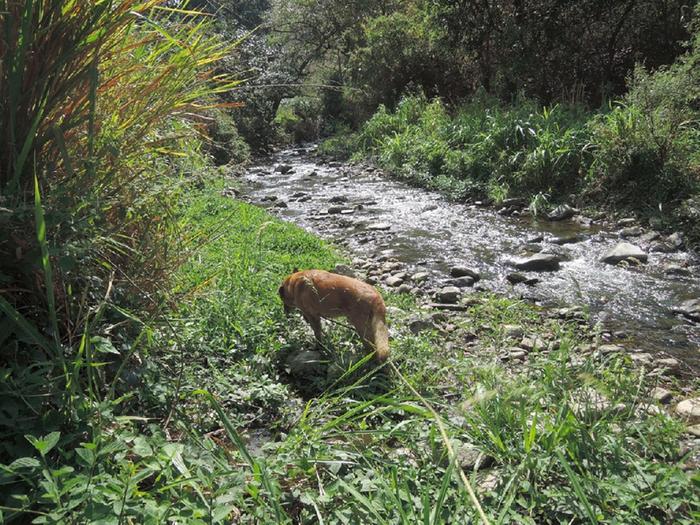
{"x": 513, "y": 331}
{"x": 661, "y": 395}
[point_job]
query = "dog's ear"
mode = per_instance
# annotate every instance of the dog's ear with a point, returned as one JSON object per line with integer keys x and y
{"x": 295, "y": 270}
{"x": 280, "y": 291}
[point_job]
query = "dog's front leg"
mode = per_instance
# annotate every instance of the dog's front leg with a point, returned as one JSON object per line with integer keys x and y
{"x": 315, "y": 323}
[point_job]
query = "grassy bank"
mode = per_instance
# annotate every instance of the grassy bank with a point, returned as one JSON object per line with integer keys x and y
{"x": 212, "y": 419}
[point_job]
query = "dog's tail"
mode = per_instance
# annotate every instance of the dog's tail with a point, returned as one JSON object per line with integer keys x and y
{"x": 380, "y": 336}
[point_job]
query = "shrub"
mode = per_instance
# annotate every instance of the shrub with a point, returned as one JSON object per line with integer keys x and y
{"x": 299, "y": 118}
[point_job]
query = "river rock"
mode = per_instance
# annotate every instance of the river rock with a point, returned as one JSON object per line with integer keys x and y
{"x": 281, "y": 204}
{"x": 675, "y": 269}
{"x": 283, "y": 168}
{"x": 689, "y": 309}
{"x": 566, "y": 239}
{"x": 335, "y": 210}
{"x": 632, "y": 231}
{"x": 338, "y": 199}
{"x": 344, "y": 269}
{"x": 417, "y": 325}
{"x": 670, "y": 364}
{"x": 627, "y": 221}
{"x": 378, "y": 226}
{"x": 390, "y": 266}
{"x": 462, "y": 282}
{"x": 448, "y": 294}
{"x": 517, "y": 278}
{"x": 661, "y": 247}
{"x": 539, "y": 263}
{"x": 393, "y": 281}
{"x": 624, "y": 251}
{"x": 661, "y": 395}
{"x": 535, "y": 239}
{"x": 513, "y": 331}
{"x": 404, "y": 288}
{"x": 675, "y": 240}
{"x": 561, "y": 213}
{"x": 690, "y": 410}
{"x": 420, "y": 277}
{"x": 463, "y": 271}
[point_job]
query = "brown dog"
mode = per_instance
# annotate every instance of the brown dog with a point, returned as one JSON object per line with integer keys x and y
{"x": 318, "y": 293}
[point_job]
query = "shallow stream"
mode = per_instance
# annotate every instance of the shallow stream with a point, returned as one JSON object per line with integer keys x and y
{"x": 373, "y": 216}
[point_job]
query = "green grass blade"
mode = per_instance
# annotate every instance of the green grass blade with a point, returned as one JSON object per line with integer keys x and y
{"x": 27, "y": 328}
{"x": 46, "y": 262}
{"x": 578, "y": 489}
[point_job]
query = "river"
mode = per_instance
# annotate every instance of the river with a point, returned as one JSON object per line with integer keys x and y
{"x": 373, "y": 216}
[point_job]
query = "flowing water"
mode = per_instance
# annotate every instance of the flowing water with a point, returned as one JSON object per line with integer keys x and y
{"x": 430, "y": 233}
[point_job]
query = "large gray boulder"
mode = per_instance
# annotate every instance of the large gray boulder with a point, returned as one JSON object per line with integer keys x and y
{"x": 623, "y": 252}
{"x": 540, "y": 262}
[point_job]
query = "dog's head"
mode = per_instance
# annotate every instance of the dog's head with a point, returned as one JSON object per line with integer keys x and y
{"x": 281, "y": 292}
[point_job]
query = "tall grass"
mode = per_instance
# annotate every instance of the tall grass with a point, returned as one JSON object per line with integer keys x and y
{"x": 101, "y": 105}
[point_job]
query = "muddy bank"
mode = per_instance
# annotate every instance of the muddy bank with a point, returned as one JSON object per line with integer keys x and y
{"x": 553, "y": 263}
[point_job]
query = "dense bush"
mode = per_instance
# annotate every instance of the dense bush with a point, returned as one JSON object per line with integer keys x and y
{"x": 483, "y": 147}
{"x": 299, "y": 118}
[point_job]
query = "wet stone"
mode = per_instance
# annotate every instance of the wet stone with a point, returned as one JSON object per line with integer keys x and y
{"x": 539, "y": 263}
{"x": 379, "y": 226}
{"x": 566, "y": 239}
{"x": 462, "y": 282}
{"x": 420, "y": 277}
{"x": 344, "y": 269}
{"x": 561, "y": 213}
{"x": 689, "y": 309}
{"x": 463, "y": 271}
{"x": 669, "y": 364}
{"x": 633, "y": 231}
{"x": 624, "y": 251}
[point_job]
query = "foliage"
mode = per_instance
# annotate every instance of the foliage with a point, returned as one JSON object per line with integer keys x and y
{"x": 647, "y": 146}
{"x": 299, "y": 118}
{"x": 482, "y": 148}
